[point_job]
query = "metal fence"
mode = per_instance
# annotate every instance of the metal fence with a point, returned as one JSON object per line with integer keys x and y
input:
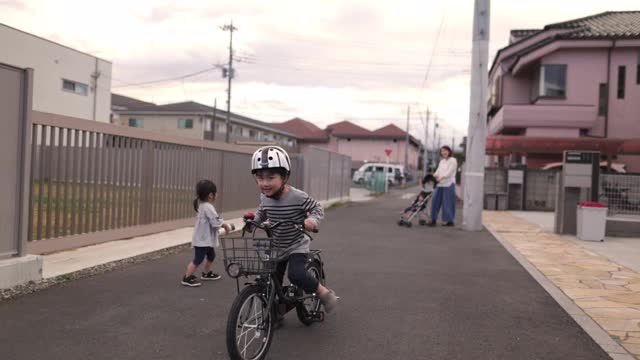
{"x": 621, "y": 192}
{"x": 495, "y": 180}
{"x": 90, "y": 179}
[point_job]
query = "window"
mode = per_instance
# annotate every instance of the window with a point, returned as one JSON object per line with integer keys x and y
{"x": 549, "y": 81}
{"x": 220, "y": 127}
{"x": 622, "y": 75}
{"x": 136, "y": 123}
{"x": 495, "y": 97}
{"x": 252, "y": 134}
{"x": 185, "y": 123}
{"x": 603, "y": 100}
{"x": 75, "y": 87}
{"x": 237, "y": 130}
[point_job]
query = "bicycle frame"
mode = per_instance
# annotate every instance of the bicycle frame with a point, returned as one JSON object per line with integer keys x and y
{"x": 272, "y": 285}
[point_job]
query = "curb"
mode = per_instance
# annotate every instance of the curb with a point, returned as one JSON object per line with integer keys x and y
{"x": 598, "y": 334}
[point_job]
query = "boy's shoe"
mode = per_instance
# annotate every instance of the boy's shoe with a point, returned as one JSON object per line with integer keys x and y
{"x": 329, "y": 300}
{"x": 191, "y": 281}
{"x": 210, "y": 276}
{"x": 431, "y": 223}
{"x": 449, "y": 224}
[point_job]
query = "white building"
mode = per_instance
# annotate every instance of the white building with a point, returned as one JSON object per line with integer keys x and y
{"x": 66, "y": 82}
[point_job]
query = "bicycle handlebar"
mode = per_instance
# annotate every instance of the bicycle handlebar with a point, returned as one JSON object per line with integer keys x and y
{"x": 268, "y": 226}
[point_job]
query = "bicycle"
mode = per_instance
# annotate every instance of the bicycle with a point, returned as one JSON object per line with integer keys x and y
{"x": 250, "y": 324}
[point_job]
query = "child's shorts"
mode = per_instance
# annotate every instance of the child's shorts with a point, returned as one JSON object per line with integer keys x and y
{"x": 201, "y": 252}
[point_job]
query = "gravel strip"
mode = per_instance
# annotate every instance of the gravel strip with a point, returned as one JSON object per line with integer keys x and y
{"x": 33, "y": 286}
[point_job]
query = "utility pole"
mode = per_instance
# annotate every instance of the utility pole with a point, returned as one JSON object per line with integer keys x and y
{"x": 230, "y": 74}
{"x": 476, "y": 138}
{"x": 406, "y": 145}
{"x": 213, "y": 121}
{"x": 435, "y": 147}
{"x": 426, "y": 138}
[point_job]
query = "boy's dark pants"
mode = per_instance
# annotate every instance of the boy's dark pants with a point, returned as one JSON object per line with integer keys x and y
{"x": 297, "y": 273}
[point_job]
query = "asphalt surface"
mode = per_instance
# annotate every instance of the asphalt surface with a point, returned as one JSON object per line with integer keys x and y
{"x": 419, "y": 293}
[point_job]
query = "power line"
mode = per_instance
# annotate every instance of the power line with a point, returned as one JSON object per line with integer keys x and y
{"x": 433, "y": 51}
{"x": 182, "y": 77}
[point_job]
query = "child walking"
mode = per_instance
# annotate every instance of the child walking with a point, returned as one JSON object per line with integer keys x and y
{"x": 205, "y": 234}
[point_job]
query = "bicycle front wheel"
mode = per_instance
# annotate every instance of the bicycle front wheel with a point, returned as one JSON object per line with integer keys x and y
{"x": 250, "y": 325}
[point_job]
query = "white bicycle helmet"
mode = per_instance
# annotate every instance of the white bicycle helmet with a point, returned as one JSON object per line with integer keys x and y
{"x": 270, "y": 157}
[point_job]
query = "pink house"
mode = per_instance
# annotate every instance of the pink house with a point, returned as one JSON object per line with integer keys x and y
{"x": 361, "y": 144}
{"x": 576, "y": 79}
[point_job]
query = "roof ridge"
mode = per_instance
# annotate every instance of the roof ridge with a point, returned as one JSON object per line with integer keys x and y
{"x": 577, "y": 21}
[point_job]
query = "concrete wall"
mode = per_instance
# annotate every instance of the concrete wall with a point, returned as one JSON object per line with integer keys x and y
{"x": 167, "y": 124}
{"x": 624, "y": 114}
{"x": 52, "y": 63}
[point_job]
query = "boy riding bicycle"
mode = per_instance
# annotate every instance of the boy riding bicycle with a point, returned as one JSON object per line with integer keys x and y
{"x": 282, "y": 203}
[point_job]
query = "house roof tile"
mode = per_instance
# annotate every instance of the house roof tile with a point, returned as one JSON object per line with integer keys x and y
{"x": 347, "y": 129}
{"x": 304, "y": 130}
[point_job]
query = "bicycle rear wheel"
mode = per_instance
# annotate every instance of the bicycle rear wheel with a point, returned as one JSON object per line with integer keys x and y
{"x": 250, "y": 325}
{"x": 311, "y": 305}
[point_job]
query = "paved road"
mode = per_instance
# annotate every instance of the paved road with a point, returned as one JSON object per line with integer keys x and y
{"x": 417, "y": 293}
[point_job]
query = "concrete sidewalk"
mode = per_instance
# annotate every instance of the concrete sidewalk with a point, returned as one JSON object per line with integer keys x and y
{"x": 603, "y": 293}
{"x": 624, "y": 251}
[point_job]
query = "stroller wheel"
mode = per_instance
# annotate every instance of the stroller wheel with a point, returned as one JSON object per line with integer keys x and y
{"x": 400, "y": 222}
{"x": 408, "y": 224}
{"x": 423, "y": 222}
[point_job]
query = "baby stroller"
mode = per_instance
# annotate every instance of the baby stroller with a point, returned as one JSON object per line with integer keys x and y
{"x": 419, "y": 205}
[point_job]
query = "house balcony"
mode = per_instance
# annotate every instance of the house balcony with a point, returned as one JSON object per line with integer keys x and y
{"x": 543, "y": 116}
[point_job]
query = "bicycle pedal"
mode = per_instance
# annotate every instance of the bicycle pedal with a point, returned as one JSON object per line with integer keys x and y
{"x": 317, "y": 316}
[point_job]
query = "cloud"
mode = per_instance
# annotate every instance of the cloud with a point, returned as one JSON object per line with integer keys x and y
{"x": 321, "y": 60}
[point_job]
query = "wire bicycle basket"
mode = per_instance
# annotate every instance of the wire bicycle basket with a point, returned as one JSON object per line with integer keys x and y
{"x": 249, "y": 255}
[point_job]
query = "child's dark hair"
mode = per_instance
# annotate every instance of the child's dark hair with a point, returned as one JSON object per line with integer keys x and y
{"x": 203, "y": 189}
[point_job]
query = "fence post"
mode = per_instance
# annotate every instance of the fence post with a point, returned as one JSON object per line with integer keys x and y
{"x": 24, "y": 195}
{"x": 148, "y": 174}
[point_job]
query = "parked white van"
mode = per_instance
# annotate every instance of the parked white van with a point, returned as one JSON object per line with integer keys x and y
{"x": 395, "y": 173}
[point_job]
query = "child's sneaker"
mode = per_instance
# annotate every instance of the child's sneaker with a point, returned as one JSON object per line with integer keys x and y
{"x": 191, "y": 281}
{"x": 329, "y": 300}
{"x": 210, "y": 276}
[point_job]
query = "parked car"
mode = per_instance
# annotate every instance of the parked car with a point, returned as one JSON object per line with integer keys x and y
{"x": 395, "y": 173}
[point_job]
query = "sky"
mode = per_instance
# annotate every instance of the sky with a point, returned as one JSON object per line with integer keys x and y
{"x": 323, "y": 61}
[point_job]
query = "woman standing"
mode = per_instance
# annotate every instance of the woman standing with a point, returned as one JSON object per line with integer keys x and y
{"x": 445, "y": 193}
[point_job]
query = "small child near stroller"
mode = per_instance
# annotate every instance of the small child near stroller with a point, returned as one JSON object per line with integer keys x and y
{"x": 419, "y": 205}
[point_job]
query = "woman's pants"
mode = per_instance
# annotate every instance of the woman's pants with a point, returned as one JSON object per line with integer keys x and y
{"x": 444, "y": 197}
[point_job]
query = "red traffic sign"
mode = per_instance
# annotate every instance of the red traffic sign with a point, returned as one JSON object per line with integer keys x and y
{"x": 387, "y": 151}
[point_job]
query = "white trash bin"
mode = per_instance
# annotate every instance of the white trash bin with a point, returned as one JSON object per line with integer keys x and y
{"x": 592, "y": 221}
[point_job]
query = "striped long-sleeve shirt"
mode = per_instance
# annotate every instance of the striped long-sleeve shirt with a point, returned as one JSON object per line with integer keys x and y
{"x": 294, "y": 206}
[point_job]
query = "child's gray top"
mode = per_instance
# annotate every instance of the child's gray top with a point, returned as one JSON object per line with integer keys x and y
{"x": 208, "y": 224}
{"x": 295, "y": 206}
